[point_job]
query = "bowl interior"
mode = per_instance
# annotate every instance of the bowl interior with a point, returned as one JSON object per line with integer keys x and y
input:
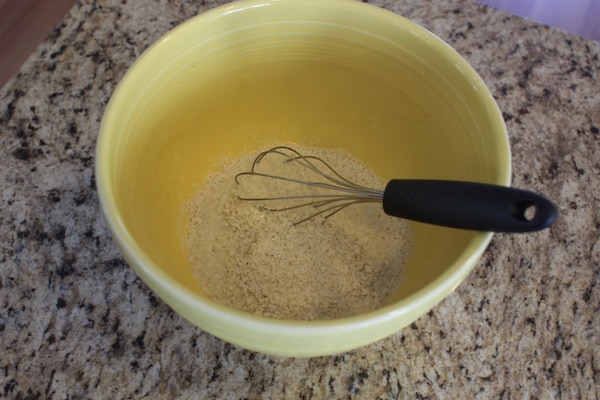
{"x": 321, "y": 74}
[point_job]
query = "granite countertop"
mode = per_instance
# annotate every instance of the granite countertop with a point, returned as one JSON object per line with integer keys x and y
{"x": 76, "y": 322}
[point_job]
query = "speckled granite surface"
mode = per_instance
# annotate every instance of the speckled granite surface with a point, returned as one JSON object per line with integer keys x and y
{"x": 75, "y": 322}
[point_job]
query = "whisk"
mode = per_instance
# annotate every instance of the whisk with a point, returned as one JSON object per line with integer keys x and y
{"x": 456, "y": 204}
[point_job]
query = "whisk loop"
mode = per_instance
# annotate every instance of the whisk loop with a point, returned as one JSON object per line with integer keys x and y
{"x": 336, "y": 194}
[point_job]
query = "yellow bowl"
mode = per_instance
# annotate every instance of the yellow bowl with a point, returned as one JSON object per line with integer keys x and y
{"x": 328, "y": 74}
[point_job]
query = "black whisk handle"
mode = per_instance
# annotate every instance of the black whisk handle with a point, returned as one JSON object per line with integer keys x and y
{"x": 468, "y": 205}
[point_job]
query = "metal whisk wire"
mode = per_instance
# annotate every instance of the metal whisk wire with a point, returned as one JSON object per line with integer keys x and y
{"x": 342, "y": 192}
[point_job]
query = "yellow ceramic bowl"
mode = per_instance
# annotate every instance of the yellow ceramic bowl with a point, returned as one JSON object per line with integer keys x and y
{"x": 336, "y": 74}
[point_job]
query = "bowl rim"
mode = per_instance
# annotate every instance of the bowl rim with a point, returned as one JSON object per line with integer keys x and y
{"x": 174, "y": 293}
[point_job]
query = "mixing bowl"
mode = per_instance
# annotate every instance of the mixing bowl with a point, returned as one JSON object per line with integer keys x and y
{"x": 332, "y": 74}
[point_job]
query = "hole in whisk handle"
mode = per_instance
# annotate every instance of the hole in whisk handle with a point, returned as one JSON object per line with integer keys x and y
{"x": 468, "y": 205}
